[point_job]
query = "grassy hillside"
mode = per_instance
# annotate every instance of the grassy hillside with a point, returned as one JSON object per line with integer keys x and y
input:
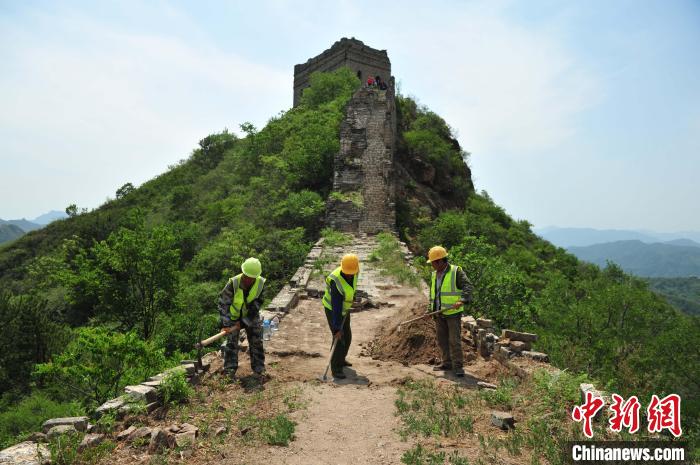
{"x": 10, "y": 232}
{"x": 682, "y": 293}
{"x": 652, "y": 260}
{"x": 138, "y": 277}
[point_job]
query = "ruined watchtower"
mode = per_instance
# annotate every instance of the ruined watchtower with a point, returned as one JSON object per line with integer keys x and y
{"x": 362, "y": 200}
{"x": 365, "y": 61}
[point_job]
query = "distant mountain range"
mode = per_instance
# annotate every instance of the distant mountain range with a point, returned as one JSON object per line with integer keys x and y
{"x": 581, "y": 237}
{"x": 12, "y": 229}
{"x": 662, "y": 260}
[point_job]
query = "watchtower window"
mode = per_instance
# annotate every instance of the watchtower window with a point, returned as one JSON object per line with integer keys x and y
{"x": 359, "y": 74}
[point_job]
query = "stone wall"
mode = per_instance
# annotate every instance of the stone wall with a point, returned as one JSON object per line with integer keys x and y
{"x": 363, "y": 199}
{"x": 364, "y": 60}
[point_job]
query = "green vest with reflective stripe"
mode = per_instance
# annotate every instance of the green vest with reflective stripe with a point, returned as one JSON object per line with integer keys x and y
{"x": 449, "y": 294}
{"x": 343, "y": 287}
{"x": 238, "y": 302}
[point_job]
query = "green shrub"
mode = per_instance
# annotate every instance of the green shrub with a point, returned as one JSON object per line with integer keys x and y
{"x": 278, "y": 430}
{"x": 333, "y": 238}
{"x": 30, "y": 413}
{"x": 98, "y": 363}
{"x": 174, "y": 387}
{"x": 391, "y": 260}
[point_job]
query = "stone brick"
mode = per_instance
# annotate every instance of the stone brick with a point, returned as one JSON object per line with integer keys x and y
{"x": 140, "y": 392}
{"x": 518, "y": 336}
{"x": 536, "y": 356}
{"x": 26, "y": 453}
{"x": 78, "y": 423}
{"x": 503, "y": 420}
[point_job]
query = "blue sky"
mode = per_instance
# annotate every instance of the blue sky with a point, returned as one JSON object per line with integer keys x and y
{"x": 575, "y": 113}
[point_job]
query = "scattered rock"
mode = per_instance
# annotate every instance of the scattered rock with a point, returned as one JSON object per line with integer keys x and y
{"x": 186, "y": 439}
{"x": 152, "y": 406}
{"x": 78, "y": 423}
{"x": 159, "y": 440}
{"x": 126, "y": 433}
{"x": 485, "y": 385}
{"x": 484, "y": 323}
{"x": 519, "y": 346}
{"x": 91, "y": 440}
{"x": 503, "y": 420}
{"x": 59, "y": 430}
{"x": 186, "y": 428}
{"x": 536, "y": 356}
{"x": 185, "y": 454}
{"x": 220, "y": 431}
{"x": 139, "y": 433}
{"x": 110, "y": 406}
{"x": 26, "y": 453}
{"x": 518, "y": 336}
{"x": 139, "y": 392}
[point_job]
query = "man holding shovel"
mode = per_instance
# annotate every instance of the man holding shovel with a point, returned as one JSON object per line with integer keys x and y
{"x": 239, "y": 307}
{"x": 341, "y": 285}
{"x": 450, "y": 289}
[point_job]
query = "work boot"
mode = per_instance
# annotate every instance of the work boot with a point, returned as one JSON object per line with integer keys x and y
{"x": 346, "y": 363}
{"x": 443, "y": 367}
{"x": 459, "y": 372}
{"x": 339, "y": 375}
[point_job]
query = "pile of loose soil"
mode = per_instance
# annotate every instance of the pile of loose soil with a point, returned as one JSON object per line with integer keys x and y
{"x": 415, "y": 343}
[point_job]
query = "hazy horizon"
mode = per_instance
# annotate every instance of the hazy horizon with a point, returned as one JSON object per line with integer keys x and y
{"x": 574, "y": 114}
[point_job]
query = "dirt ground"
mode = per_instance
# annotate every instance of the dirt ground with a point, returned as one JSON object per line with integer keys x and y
{"x": 350, "y": 421}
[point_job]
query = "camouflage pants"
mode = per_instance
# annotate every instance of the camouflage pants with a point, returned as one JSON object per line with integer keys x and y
{"x": 255, "y": 348}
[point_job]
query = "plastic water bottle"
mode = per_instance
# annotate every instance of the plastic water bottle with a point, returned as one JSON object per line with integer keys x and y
{"x": 275, "y": 324}
{"x": 267, "y": 332}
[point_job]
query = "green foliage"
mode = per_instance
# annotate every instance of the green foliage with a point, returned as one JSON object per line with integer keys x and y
{"x": 335, "y": 87}
{"x": 98, "y": 363}
{"x": 174, "y": 387}
{"x": 278, "y": 430}
{"x": 429, "y": 411}
{"x": 503, "y": 395}
{"x": 133, "y": 274}
{"x": 30, "y": 336}
{"x": 426, "y": 137}
{"x": 354, "y": 197}
{"x": 682, "y": 293}
{"x": 391, "y": 260}
{"x": 333, "y": 238}
{"x": 30, "y": 413}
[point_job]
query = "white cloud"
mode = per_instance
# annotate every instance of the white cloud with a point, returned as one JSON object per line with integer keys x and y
{"x": 504, "y": 87}
{"x": 116, "y": 107}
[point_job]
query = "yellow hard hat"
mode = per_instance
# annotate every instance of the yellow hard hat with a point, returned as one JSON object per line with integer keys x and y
{"x": 350, "y": 264}
{"x": 436, "y": 253}
{"x": 251, "y": 267}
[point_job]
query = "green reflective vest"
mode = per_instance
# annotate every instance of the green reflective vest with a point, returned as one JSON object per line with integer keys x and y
{"x": 449, "y": 294}
{"x": 343, "y": 287}
{"x": 238, "y": 302}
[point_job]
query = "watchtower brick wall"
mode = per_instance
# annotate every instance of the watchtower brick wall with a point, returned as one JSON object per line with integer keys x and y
{"x": 362, "y": 59}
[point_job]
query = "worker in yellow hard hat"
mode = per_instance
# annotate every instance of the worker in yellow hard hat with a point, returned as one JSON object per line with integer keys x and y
{"x": 450, "y": 290}
{"x": 239, "y": 307}
{"x": 341, "y": 286}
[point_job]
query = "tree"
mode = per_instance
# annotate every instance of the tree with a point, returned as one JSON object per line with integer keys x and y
{"x": 98, "y": 363}
{"x": 72, "y": 210}
{"x": 29, "y": 336}
{"x": 132, "y": 275}
{"x": 124, "y": 190}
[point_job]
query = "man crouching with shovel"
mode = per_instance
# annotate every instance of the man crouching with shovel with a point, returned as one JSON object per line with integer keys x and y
{"x": 341, "y": 285}
{"x": 239, "y": 306}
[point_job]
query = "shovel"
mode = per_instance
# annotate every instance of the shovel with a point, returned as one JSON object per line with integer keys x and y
{"x": 416, "y": 319}
{"x": 324, "y": 378}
